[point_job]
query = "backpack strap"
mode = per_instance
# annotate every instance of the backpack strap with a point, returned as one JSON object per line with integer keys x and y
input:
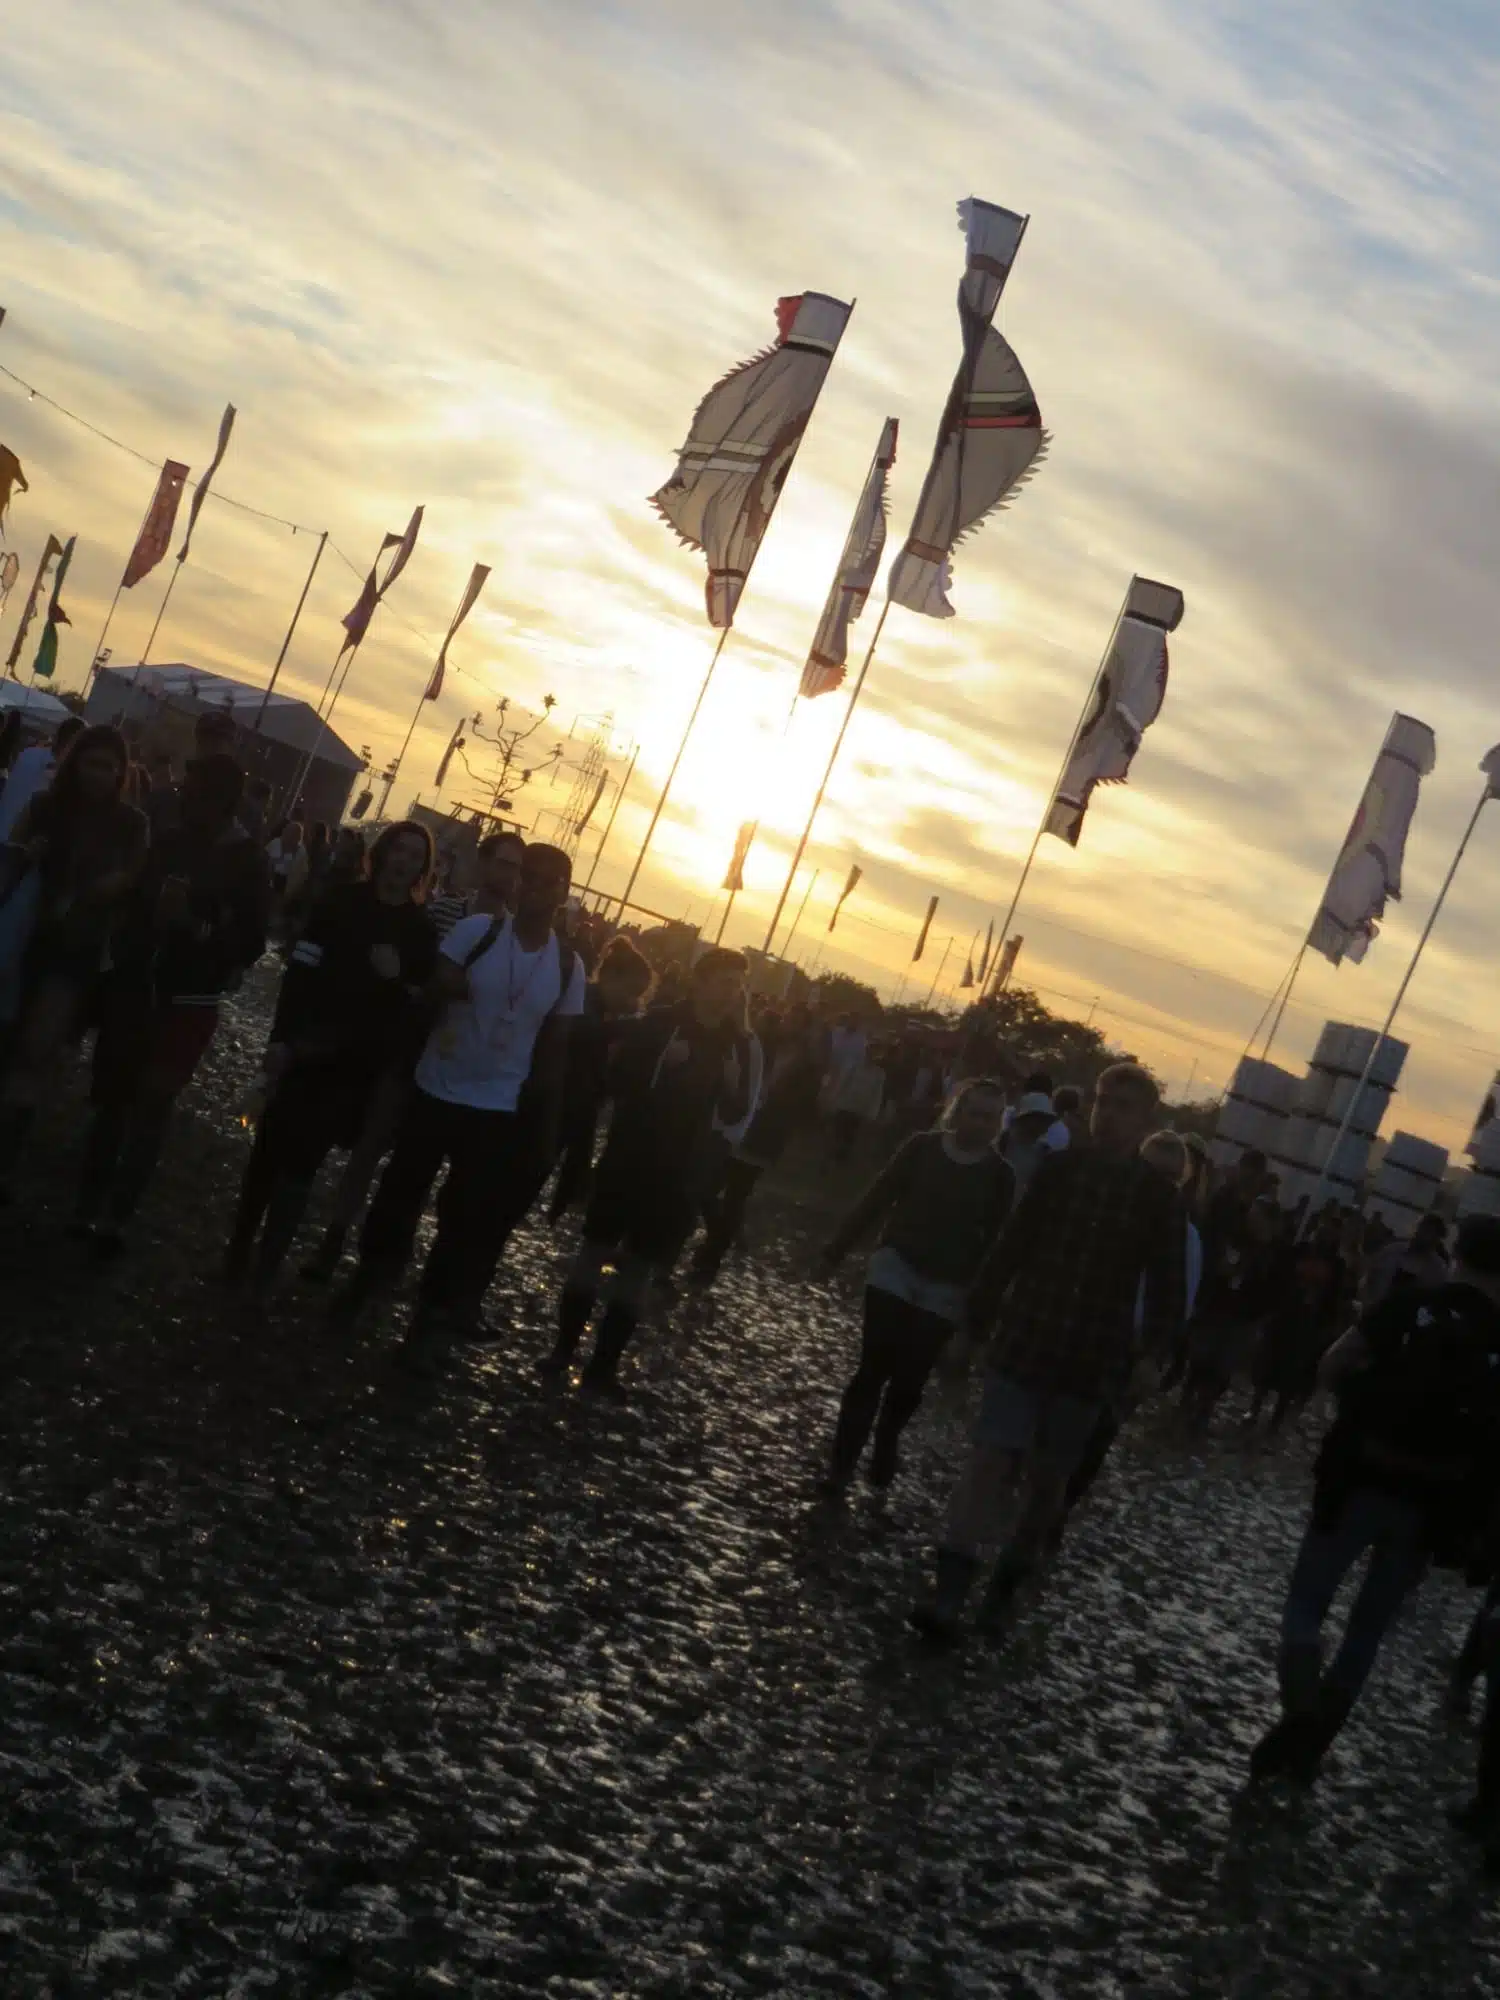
{"x": 477, "y": 951}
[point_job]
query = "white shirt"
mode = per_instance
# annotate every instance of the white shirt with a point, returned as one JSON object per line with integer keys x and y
{"x": 30, "y": 773}
{"x": 846, "y": 1051}
{"x": 480, "y": 1051}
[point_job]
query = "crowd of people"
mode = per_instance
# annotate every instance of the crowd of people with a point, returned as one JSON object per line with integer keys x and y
{"x": 465, "y": 1050}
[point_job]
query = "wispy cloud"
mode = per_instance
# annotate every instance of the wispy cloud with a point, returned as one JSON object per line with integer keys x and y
{"x": 489, "y": 257}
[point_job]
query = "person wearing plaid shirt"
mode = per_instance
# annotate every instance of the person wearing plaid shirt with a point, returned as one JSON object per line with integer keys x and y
{"x": 1097, "y": 1231}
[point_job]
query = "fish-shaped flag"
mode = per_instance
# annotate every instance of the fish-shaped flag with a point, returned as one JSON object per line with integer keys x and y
{"x": 744, "y": 436}
{"x": 990, "y": 436}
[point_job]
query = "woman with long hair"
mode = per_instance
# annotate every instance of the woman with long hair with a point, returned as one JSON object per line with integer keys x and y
{"x": 349, "y": 1022}
{"x": 85, "y": 844}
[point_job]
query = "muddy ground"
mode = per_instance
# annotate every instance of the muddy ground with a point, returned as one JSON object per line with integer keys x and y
{"x": 316, "y": 1682}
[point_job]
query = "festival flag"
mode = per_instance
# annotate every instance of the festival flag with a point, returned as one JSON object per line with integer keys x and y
{"x": 850, "y": 885}
{"x": 455, "y": 744}
{"x": 926, "y": 927}
{"x": 990, "y": 437}
{"x": 968, "y": 979}
{"x": 1486, "y": 1118}
{"x": 10, "y": 569}
{"x": 1005, "y": 965}
{"x": 478, "y": 577}
{"x": 1128, "y": 695}
{"x": 155, "y": 538}
{"x": 356, "y": 621}
{"x": 744, "y": 436}
{"x": 1367, "y": 873}
{"x": 200, "y": 492}
{"x": 46, "y": 652}
{"x": 53, "y": 549}
{"x": 734, "y": 880}
{"x": 855, "y": 577}
{"x": 592, "y": 807}
{"x": 11, "y": 476}
{"x": 989, "y": 946}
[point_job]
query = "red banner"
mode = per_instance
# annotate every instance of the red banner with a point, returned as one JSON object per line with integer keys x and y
{"x": 155, "y": 538}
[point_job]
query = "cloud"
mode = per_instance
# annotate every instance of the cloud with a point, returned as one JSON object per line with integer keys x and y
{"x": 489, "y": 259}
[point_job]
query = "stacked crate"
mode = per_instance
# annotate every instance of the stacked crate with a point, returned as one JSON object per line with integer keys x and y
{"x": 1408, "y": 1183}
{"x": 1309, "y": 1149}
{"x": 1253, "y": 1112}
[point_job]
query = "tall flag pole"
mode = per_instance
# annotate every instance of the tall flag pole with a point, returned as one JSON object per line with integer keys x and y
{"x": 730, "y": 473}
{"x": 1367, "y": 873}
{"x": 260, "y": 713}
{"x": 937, "y": 976}
{"x": 852, "y": 583}
{"x": 786, "y": 949}
{"x": 356, "y": 623}
{"x": 989, "y": 440}
{"x": 1125, "y": 698}
{"x": 609, "y": 824}
{"x": 1490, "y": 765}
{"x": 478, "y": 577}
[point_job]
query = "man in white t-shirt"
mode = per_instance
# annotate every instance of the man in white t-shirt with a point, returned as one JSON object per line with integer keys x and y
{"x": 32, "y": 772}
{"x": 508, "y": 986}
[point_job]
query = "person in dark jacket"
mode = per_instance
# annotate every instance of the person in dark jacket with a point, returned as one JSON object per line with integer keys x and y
{"x": 196, "y": 923}
{"x": 1406, "y": 1475}
{"x": 1098, "y": 1234}
{"x": 613, "y": 999}
{"x": 352, "y": 1011}
{"x": 84, "y": 847}
{"x": 941, "y": 1203}
{"x": 674, "y": 1072}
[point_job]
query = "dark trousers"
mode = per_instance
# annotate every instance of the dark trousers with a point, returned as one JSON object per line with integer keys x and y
{"x": 310, "y": 1112}
{"x": 724, "y": 1217}
{"x": 899, "y": 1351}
{"x": 1091, "y": 1464}
{"x": 575, "y": 1166}
{"x": 475, "y": 1207}
{"x": 846, "y": 1127}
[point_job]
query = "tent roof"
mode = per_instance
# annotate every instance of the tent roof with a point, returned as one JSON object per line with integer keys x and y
{"x": 287, "y": 720}
{"x": 37, "y": 703}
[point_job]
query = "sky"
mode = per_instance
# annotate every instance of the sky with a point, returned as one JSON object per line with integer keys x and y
{"x": 486, "y": 255}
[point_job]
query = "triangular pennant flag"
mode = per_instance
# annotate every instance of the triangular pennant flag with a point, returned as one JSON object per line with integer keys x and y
{"x": 11, "y": 477}
{"x": 356, "y": 621}
{"x": 200, "y": 492}
{"x": 850, "y": 885}
{"x": 926, "y": 927}
{"x": 855, "y": 576}
{"x": 478, "y": 576}
{"x": 155, "y": 538}
{"x": 734, "y": 880}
